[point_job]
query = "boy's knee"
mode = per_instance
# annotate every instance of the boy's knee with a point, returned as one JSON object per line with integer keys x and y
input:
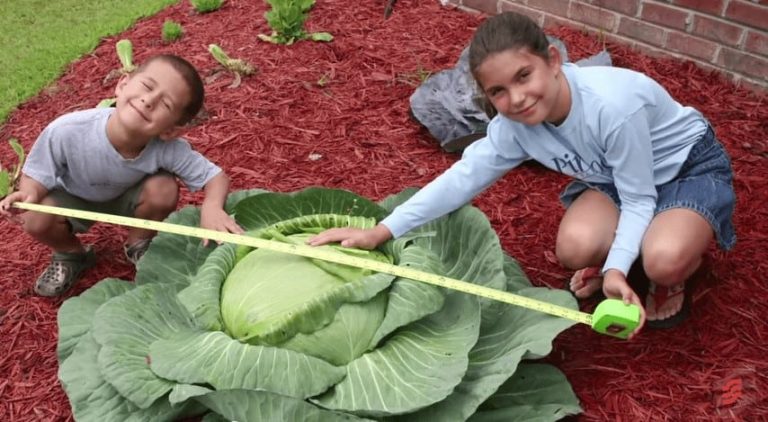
{"x": 160, "y": 193}
{"x": 40, "y": 225}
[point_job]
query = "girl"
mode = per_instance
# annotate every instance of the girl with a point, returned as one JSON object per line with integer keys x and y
{"x": 651, "y": 178}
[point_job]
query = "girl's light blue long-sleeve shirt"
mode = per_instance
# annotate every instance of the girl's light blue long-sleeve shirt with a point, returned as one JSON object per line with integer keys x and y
{"x": 623, "y": 128}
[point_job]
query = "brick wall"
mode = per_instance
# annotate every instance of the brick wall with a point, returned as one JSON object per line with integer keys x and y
{"x": 730, "y": 36}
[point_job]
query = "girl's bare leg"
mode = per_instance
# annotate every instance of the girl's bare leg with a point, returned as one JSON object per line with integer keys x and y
{"x": 585, "y": 237}
{"x": 672, "y": 250}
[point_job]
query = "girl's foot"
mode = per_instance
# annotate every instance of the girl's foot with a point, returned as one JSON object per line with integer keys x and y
{"x": 665, "y": 304}
{"x": 586, "y": 281}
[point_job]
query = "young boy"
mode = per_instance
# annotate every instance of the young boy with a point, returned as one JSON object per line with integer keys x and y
{"x": 122, "y": 160}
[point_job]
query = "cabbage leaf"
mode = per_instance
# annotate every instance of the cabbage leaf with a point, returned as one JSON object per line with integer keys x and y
{"x": 237, "y": 333}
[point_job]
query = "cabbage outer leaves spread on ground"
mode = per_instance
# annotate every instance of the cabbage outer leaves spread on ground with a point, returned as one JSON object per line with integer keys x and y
{"x": 241, "y": 334}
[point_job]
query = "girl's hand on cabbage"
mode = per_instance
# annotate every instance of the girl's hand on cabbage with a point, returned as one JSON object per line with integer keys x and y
{"x": 353, "y": 238}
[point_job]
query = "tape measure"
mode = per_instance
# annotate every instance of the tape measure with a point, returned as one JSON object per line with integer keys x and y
{"x": 611, "y": 316}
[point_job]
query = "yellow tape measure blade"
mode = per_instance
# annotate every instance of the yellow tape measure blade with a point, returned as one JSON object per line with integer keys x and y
{"x": 322, "y": 254}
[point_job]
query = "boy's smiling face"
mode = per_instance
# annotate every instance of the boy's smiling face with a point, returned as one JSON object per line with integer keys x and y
{"x": 151, "y": 102}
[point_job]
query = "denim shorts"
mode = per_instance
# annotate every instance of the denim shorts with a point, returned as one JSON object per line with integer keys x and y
{"x": 704, "y": 184}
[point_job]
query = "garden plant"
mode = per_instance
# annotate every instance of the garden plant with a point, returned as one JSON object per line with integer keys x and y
{"x": 137, "y": 343}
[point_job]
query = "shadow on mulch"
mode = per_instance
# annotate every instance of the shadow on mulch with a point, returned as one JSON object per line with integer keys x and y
{"x": 336, "y": 115}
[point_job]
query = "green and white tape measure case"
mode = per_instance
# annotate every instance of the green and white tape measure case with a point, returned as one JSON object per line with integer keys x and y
{"x": 611, "y": 316}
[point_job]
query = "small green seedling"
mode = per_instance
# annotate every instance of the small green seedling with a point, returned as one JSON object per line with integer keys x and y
{"x": 205, "y": 6}
{"x": 415, "y": 78}
{"x": 286, "y": 18}
{"x": 107, "y": 102}
{"x": 9, "y": 178}
{"x": 323, "y": 80}
{"x": 238, "y": 67}
{"x": 172, "y": 31}
{"x": 124, "y": 49}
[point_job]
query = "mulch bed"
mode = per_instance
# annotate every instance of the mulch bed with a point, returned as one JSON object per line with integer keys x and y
{"x": 336, "y": 115}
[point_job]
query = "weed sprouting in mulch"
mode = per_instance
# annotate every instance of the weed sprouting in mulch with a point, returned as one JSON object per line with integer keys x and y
{"x": 336, "y": 114}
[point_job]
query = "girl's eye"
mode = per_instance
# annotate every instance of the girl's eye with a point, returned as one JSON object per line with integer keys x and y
{"x": 167, "y": 105}
{"x": 145, "y": 85}
{"x": 524, "y": 75}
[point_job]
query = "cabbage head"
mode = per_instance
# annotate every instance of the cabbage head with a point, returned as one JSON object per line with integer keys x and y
{"x": 242, "y": 334}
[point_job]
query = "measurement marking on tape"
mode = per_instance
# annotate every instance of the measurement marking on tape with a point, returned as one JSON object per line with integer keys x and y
{"x": 322, "y": 254}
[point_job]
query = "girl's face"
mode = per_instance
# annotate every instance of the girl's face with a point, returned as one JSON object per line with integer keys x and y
{"x": 524, "y": 87}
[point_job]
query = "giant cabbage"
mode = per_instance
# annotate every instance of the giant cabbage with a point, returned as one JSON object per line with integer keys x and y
{"x": 243, "y": 334}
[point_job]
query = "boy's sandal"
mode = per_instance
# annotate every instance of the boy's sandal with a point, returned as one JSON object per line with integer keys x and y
{"x": 63, "y": 271}
{"x": 661, "y": 294}
{"x": 136, "y": 250}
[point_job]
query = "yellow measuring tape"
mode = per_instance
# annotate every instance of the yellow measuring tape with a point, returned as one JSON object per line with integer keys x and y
{"x": 322, "y": 254}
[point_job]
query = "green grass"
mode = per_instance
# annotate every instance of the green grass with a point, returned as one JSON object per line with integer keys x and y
{"x": 40, "y": 37}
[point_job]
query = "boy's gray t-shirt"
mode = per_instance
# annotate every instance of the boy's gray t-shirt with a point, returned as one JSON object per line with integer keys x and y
{"x": 74, "y": 154}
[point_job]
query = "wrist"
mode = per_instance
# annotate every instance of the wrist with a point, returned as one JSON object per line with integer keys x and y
{"x": 29, "y": 196}
{"x": 382, "y": 233}
{"x": 209, "y": 204}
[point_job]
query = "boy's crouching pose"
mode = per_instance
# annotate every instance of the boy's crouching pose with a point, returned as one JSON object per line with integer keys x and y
{"x": 122, "y": 160}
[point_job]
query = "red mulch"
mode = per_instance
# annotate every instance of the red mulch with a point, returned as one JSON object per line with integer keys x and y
{"x": 264, "y": 132}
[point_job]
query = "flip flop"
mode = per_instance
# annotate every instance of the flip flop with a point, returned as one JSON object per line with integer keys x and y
{"x": 661, "y": 294}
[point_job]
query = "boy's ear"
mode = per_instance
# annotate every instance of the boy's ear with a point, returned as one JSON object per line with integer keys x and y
{"x": 121, "y": 84}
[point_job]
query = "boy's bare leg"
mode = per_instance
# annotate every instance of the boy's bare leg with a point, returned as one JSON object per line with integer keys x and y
{"x": 51, "y": 230}
{"x": 672, "y": 251}
{"x": 585, "y": 237}
{"x": 158, "y": 199}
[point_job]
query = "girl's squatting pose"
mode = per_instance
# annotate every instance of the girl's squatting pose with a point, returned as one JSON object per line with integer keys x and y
{"x": 651, "y": 179}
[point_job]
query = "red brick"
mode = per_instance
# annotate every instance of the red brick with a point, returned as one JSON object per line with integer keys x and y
{"x": 758, "y": 86}
{"x": 594, "y": 16}
{"x": 748, "y": 13}
{"x": 713, "y": 7}
{"x": 557, "y": 7}
{"x": 665, "y": 15}
{"x": 551, "y": 20}
{"x": 691, "y": 46}
{"x": 744, "y": 63}
{"x": 627, "y": 7}
{"x": 641, "y": 31}
{"x": 487, "y": 6}
{"x": 757, "y": 42}
{"x": 508, "y": 6}
{"x": 717, "y": 30}
{"x": 619, "y": 40}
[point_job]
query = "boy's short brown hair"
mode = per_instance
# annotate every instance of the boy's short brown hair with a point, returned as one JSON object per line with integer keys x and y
{"x": 192, "y": 79}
